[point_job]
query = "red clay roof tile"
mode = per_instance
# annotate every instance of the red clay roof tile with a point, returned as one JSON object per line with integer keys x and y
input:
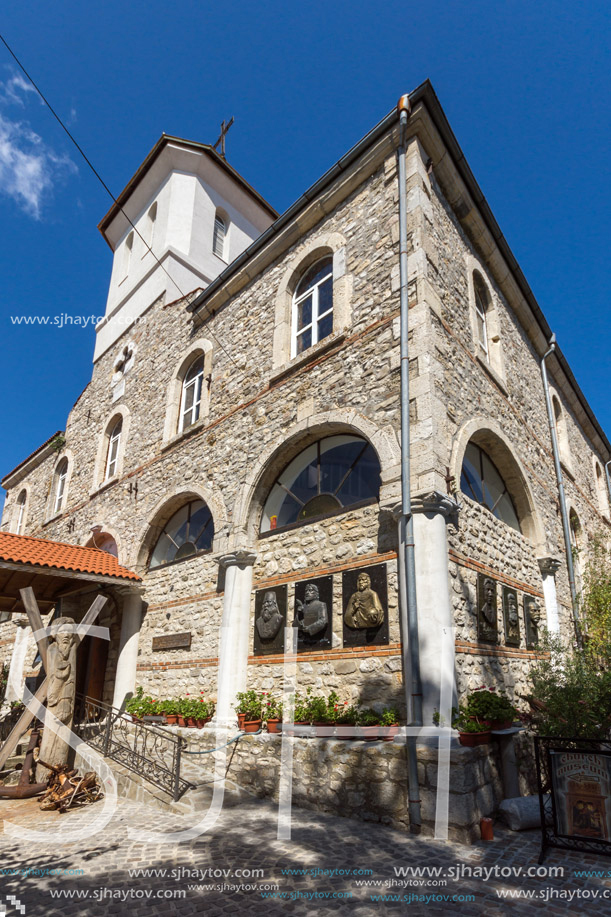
{"x": 22, "y": 549}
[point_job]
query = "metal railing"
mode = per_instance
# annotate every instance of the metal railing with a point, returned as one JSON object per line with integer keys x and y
{"x": 150, "y": 751}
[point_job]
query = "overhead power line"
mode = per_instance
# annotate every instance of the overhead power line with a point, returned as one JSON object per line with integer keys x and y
{"x": 103, "y": 183}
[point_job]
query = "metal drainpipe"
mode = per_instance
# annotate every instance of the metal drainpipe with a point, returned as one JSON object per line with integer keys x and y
{"x": 565, "y": 519}
{"x": 409, "y": 607}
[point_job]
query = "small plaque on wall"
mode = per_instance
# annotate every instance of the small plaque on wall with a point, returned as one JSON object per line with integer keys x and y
{"x": 487, "y": 622}
{"x": 511, "y": 617}
{"x": 314, "y": 613}
{"x": 532, "y": 620}
{"x": 365, "y": 606}
{"x": 173, "y": 642}
{"x": 270, "y": 617}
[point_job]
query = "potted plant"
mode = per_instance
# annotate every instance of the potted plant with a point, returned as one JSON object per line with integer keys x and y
{"x": 249, "y": 710}
{"x": 389, "y": 721}
{"x": 369, "y": 723}
{"x": 170, "y": 710}
{"x": 346, "y": 715}
{"x": 488, "y": 704}
{"x": 273, "y": 715}
{"x": 471, "y": 731}
{"x": 203, "y": 712}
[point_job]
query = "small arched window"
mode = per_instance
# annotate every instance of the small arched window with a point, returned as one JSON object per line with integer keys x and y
{"x": 21, "y": 504}
{"x": 61, "y": 474}
{"x": 218, "y": 236}
{"x": 331, "y": 475}
{"x": 313, "y": 307}
{"x": 112, "y": 455}
{"x": 481, "y": 480}
{"x": 601, "y": 490}
{"x": 577, "y": 546}
{"x": 191, "y": 399}
{"x": 127, "y": 253}
{"x": 482, "y": 305}
{"x": 190, "y": 531}
{"x": 561, "y": 433}
{"x": 151, "y": 218}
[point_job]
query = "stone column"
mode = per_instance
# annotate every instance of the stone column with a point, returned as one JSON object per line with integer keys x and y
{"x": 549, "y": 566}
{"x": 435, "y": 611}
{"x": 235, "y": 632}
{"x": 131, "y": 620}
{"x": 18, "y": 656}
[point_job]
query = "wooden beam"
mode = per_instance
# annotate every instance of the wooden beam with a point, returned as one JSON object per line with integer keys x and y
{"x": 33, "y": 613}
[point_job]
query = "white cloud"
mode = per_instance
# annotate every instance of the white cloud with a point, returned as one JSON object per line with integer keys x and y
{"x": 29, "y": 168}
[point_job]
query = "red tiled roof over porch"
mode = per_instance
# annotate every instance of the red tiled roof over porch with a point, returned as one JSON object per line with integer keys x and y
{"x": 57, "y": 555}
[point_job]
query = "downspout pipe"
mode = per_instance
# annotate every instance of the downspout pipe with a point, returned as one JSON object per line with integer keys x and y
{"x": 409, "y": 606}
{"x": 562, "y": 500}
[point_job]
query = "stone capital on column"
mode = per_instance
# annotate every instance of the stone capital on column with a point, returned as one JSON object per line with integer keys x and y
{"x": 433, "y": 502}
{"x": 239, "y": 558}
{"x": 124, "y": 591}
{"x": 549, "y": 566}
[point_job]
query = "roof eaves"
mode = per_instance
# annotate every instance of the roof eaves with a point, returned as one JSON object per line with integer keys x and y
{"x": 33, "y": 455}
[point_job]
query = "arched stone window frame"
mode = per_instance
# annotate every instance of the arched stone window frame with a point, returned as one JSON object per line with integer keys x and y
{"x": 562, "y": 431}
{"x": 99, "y": 471}
{"x": 220, "y": 216}
{"x": 53, "y": 508}
{"x": 96, "y": 535}
{"x": 487, "y": 434}
{"x": 171, "y": 429}
{"x": 600, "y": 486}
{"x": 162, "y": 511}
{"x": 317, "y": 248}
{"x": 253, "y": 493}
{"x": 20, "y": 510}
{"x": 492, "y": 358}
{"x": 579, "y": 544}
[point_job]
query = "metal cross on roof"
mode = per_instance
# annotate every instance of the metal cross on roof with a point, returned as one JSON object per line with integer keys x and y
{"x": 224, "y": 128}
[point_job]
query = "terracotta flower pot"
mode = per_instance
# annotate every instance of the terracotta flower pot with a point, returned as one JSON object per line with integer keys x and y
{"x": 252, "y": 725}
{"x": 501, "y": 724}
{"x": 171, "y": 719}
{"x": 371, "y": 733}
{"x": 389, "y": 732}
{"x": 471, "y": 739}
{"x": 272, "y": 726}
{"x": 241, "y": 720}
{"x": 181, "y": 720}
{"x": 200, "y": 722}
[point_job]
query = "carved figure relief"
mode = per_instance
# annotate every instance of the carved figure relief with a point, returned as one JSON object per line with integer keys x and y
{"x": 313, "y": 606}
{"x": 365, "y": 606}
{"x": 487, "y": 623}
{"x": 532, "y": 619}
{"x": 61, "y": 658}
{"x": 511, "y": 617}
{"x": 270, "y": 616}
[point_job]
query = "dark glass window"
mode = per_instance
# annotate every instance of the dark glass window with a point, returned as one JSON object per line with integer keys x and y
{"x": 330, "y": 475}
{"x": 313, "y": 306}
{"x": 190, "y": 531}
{"x": 480, "y": 479}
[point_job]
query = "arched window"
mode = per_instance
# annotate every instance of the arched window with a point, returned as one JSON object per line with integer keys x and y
{"x": 331, "y": 475}
{"x": 112, "y": 456}
{"x": 601, "y": 490}
{"x": 218, "y": 236}
{"x": 190, "y": 531}
{"x": 151, "y": 217}
{"x": 103, "y": 541}
{"x": 61, "y": 473}
{"x": 313, "y": 307}
{"x": 561, "y": 433}
{"x": 482, "y": 305}
{"x": 191, "y": 398}
{"x": 127, "y": 254}
{"x": 480, "y": 479}
{"x": 21, "y": 503}
{"x": 577, "y": 545}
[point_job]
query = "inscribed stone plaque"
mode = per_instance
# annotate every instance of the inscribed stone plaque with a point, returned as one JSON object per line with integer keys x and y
{"x": 532, "y": 620}
{"x": 270, "y": 618}
{"x": 487, "y": 624}
{"x": 314, "y": 612}
{"x": 172, "y": 641}
{"x": 511, "y": 617}
{"x": 365, "y": 606}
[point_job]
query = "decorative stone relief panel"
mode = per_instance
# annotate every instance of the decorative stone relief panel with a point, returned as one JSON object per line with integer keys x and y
{"x": 314, "y": 613}
{"x": 365, "y": 606}
{"x": 270, "y": 618}
{"x": 532, "y": 620}
{"x": 511, "y": 617}
{"x": 487, "y": 619}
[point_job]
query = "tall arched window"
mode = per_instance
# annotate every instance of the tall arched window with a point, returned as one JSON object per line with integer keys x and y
{"x": 481, "y": 480}
{"x": 577, "y": 545}
{"x": 151, "y": 218}
{"x": 561, "y": 432}
{"x": 191, "y": 399}
{"x": 482, "y": 305}
{"x": 218, "y": 236}
{"x": 601, "y": 489}
{"x": 127, "y": 253}
{"x": 190, "y": 531}
{"x": 331, "y": 475}
{"x": 313, "y": 307}
{"x": 61, "y": 473}
{"x": 112, "y": 456}
{"x": 21, "y": 504}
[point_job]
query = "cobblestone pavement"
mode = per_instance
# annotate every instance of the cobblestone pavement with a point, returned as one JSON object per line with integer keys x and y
{"x": 244, "y": 839}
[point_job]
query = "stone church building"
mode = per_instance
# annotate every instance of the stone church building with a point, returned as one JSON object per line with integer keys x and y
{"x": 240, "y": 436}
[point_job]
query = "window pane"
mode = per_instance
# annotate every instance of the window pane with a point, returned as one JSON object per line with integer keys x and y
{"x": 304, "y": 341}
{"x": 316, "y": 273}
{"x": 304, "y": 312}
{"x": 325, "y": 326}
{"x": 325, "y": 296}
{"x": 189, "y": 530}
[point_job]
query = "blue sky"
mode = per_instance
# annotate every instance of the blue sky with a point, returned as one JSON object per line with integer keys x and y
{"x": 525, "y": 87}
